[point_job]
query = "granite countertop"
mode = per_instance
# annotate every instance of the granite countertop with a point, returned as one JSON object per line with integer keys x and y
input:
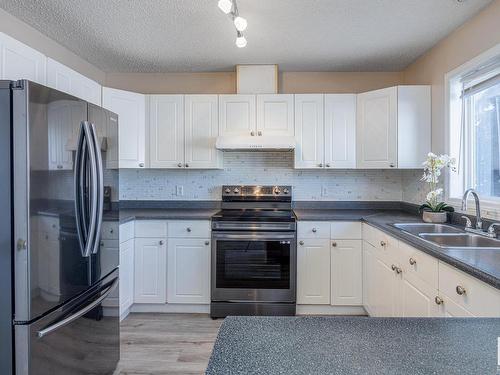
{"x": 166, "y": 214}
{"x": 355, "y": 345}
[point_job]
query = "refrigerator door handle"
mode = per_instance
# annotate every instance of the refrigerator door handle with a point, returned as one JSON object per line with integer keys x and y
{"x": 79, "y": 180}
{"x": 44, "y": 332}
{"x": 100, "y": 188}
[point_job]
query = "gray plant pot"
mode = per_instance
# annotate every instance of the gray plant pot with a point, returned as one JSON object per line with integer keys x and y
{"x": 434, "y": 217}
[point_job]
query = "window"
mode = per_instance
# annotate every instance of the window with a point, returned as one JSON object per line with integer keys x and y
{"x": 474, "y": 132}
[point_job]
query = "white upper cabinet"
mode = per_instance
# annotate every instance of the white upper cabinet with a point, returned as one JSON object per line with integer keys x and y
{"x": 237, "y": 115}
{"x": 166, "y": 131}
{"x": 130, "y": 108}
{"x": 201, "y": 118}
{"x": 18, "y": 61}
{"x": 275, "y": 115}
{"x": 377, "y": 133}
{"x": 62, "y": 78}
{"x": 309, "y": 130}
{"x": 393, "y": 127}
{"x": 340, "y": 131}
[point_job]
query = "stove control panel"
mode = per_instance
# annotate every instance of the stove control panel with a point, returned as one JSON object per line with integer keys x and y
{"x": 256, "y": 191}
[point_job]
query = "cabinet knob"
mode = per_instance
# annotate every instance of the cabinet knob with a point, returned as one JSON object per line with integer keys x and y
{"x": 460, "y": 290}
{"x": 320, "y": 165}
{"x": 102, "y": 243}
{"x": 179, "y": 165}
{"x": 383, "y": 243}
{"x": 438, "y": 300}
{"x": 252, "y": 133}
{"x": 399, "y": 270}
{"x": 314, "y": 230}
{"x": 188, "y": 230}
{"x": 328, "y": 165}
{"x": 141, "y": 165}
{"x": 412, "y": 261}
{"x": 393, "y": 267}
{"x": 392, "y": 165}
{"x": 111, "y": 230}
{"x": 161, "y": 242}
{"x": 207, "y": 243}
{"x": 301, "y": 242}
{"x": 334, "y": 244}
{"x": 259, "y": 133}
{"x": 59, "y": 167}
{"x": 187, "y": 165}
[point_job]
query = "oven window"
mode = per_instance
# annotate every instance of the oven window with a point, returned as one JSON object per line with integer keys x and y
{"x": 253, "y": 264}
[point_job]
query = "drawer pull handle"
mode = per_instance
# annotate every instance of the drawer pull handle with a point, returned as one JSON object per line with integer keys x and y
{"x": 314, "y": 230}
{"x": 438, "y": 300}
{"x": 383, "y": 243}
{"x": 161, "y": 242}
{"x": 412, "y": 261}
{"x": 207, "y": 243}
{"x": 334, "y": 244}
{"x": 301, "y": 243}
{"x": 460, "y": 290}
{"x": 188, "y": 230}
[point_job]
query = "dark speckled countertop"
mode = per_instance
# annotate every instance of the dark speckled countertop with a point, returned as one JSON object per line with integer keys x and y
{"x": 166, "y": 214}
{"x": 355, "y": 345}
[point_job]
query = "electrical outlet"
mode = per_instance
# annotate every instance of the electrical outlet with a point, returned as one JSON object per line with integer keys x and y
{"x": 324, "y": 191}
{"x": 179, "y": 190}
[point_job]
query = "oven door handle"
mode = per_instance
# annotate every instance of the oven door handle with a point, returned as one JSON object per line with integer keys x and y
{"x": 253, "y": 236}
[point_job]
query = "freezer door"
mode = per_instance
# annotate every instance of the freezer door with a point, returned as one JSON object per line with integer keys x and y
{"x": 49, "y": 267}
{"x": 79, "y": 338}
{"x": 105, "y": 255}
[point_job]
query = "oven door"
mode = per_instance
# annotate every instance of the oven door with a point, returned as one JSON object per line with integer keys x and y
{"x": 253, "y": 266}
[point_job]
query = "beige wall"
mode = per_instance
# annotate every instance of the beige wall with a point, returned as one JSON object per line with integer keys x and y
{"x": 474, "y": 37}
{"x": 28, "y": 35}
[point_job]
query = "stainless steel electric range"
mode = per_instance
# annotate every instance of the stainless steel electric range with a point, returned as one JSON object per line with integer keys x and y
{"x": 254, "y": 256}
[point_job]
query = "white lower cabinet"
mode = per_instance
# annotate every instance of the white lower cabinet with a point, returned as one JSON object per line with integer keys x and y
{"x": 188, "y": 272}
{"x": 126, "y": 275}
{"x": 313, "y": 272}
{"x": 150, "y": 270}
{"x": 418, "y": 299}
{"x": 346, "y": 275}
{"x": 386, "y": 288}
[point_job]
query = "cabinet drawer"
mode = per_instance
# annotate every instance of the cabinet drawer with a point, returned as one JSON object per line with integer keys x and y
{"x": 419, "y": 264}
{"x": 386, "y": 247}
{"x": 468, "y": 292}
{"x": 189, "y": 229}
{"x": 109, "y": 230}
{"x": 48, "y": 224}
{"x": 313, "y": 229}
{"x": 151, "y": 228}
{"x": 126, "y": 231}
{"x": 345, "y": 230}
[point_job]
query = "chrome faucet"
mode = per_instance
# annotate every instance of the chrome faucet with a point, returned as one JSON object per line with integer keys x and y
{"x": 479, "y": 222}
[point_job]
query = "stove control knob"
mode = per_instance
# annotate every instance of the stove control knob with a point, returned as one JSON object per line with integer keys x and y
{"x": 277, "y": 191}
{"x": 286, "y": 191}
{"x": 227, "y": 191}
{"x": 236, "y": 191}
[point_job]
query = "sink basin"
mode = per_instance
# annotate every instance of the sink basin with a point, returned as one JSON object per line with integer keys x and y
{"x": 417, "y": 228}
{"x": 461, "y": 240}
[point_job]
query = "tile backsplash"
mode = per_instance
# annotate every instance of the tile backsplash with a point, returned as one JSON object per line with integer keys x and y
{"x": 262, "y": 168}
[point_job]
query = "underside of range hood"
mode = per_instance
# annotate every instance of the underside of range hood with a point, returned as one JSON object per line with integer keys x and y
{"x": 256, "y": 143}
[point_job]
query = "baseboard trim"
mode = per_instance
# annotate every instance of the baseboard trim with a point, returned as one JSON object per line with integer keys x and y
{"x": 330, "y": 310}
{"x": 169, "y": 308}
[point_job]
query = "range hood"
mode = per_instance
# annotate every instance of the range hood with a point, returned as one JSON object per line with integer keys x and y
{"x": 257, "y": 143}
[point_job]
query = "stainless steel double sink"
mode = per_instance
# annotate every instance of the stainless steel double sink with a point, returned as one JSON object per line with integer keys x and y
{"x": 447, "y": 236}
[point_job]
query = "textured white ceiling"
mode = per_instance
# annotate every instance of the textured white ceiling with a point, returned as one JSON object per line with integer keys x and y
{"x": 194, "y": 35}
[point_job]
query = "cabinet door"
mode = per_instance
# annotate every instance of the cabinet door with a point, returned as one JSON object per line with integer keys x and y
{"x": 313, "y": 272}
{"x": 340, "y": 131}
{"x": 347, "y": 272}
{"x": 309, "y": 131}
{"x": 237, "y": 115}
{"x": 201, "y": 131}
{"x": 18, "y": 61}
{"x": 150, "y": 270}
{"x": 130, "y": 108}
{"x": 377, "y": 134}
{"x": 112, "y": 134}
{"x": 386, "y": 292}
{"x": 417, "y": 298}
{"x": 369, "y": 290}
{"x": 188, "y": 270}
{"x": 63, "y": 121}
{"x": 166, "y": 131}
{"x": 126, "y": 275}
{"x": 65, "y": 79}
{"x": 275, "y": 115}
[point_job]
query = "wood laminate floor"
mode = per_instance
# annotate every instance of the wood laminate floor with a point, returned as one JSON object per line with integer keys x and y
{"x": 166, "y": 343}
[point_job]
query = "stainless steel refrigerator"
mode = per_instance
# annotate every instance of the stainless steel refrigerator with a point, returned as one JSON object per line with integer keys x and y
{"x": 59, "y": 233}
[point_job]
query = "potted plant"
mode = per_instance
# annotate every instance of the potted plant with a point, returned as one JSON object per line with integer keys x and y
{"x": 434, "y": 210}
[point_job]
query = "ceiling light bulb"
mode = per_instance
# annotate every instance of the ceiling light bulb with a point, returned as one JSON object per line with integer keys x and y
{"x": 225, "y": 5}
{"x": 240, "y": 23}
{"x": 241, "y": 42}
